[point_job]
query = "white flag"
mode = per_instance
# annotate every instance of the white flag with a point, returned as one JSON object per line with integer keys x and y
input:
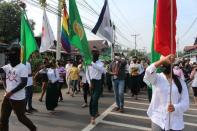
{"x": 47, "y": 40}
{"x": 104, "y": 26}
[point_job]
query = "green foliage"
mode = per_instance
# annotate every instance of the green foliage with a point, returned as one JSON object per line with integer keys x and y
{"x": 43, "y": 3}
{"x": 10, "y": 21}
{"x": 140, "y": 55}
{"x": 10, "y": 18}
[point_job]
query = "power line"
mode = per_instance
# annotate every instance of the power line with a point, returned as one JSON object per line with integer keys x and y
{"x": 55, "y": 11}
{"x": 36, "y": 4}
{"x": 91, "y": 8}
{"x": 123, "y": 16}
{"x": 190, "y": 27}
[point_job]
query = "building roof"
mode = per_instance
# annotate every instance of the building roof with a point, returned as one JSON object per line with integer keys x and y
{"x": 190, "y": 48}
{"x": 94, "y": 44}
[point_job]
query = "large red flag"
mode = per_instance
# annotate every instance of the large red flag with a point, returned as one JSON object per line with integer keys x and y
{"x": 163, "y": 27}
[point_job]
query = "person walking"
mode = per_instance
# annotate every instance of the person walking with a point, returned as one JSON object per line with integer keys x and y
{"x": 118, "y": 72}
{"x": 62, "y": 74}
{"x": 67, "y": 68}
{"x": 194, "y": 83}
{"x": 166, "y": 112}
{"x": 134, "y": 78}
{"x": 29, "y": 90}
{"x": 73, "y": 76}
{"x": 84, "y": 85}
{"x": 94, "y": 76}
{"x": 52, "y": 92}
{"x": 43, "y": 76}
{"x": 14, "y": 99}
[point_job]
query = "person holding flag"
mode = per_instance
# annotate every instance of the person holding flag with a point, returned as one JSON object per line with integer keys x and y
{"x": 160, "y": 107}
{"x": 170, "y": 97}
{"x": 14, "y": 98}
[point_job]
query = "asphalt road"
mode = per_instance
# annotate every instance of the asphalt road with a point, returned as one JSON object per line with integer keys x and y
{"x": 70, "y": 116}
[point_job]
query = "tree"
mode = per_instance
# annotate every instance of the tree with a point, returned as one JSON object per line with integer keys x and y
{"x": 10, "y": 17}
{"x": 10, "y": 21}
{"x": 140, "y": 55}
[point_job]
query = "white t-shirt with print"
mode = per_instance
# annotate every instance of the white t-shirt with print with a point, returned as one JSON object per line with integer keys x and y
{"x": 13, "y": 79}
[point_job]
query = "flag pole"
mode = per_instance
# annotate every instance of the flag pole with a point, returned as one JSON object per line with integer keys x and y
{"x": 58, "y": 48}
{"x": 171, "y": 44}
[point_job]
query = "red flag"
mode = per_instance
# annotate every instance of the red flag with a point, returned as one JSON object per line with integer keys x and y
{"x": 163, "y": 27}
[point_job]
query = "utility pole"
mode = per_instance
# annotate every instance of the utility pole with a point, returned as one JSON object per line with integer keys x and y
{"x": 114, "y": 41}
{"x": 58, "y": 47}
{"x": 135, "y": 36}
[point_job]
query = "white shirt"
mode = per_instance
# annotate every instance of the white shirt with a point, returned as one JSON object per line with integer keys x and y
{"x": 53, "y": 75}
{"x": 141, "y": 68}
{"x": 157, "y": 110}
{"x": 134, "y": 66}
{"x": 83, "y": 75}
{"x": 67, "y": 68}
{"x": 30, "y": 78}
{"x": 13, "y": 79}
{"x": 95, "y": 71}
{"x": 194, "y": 83}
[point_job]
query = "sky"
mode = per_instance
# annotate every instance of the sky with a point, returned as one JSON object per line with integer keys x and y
{"x": 130, "y": 17}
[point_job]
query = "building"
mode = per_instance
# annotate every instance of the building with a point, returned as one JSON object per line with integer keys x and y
{"x": 191, "y": 51}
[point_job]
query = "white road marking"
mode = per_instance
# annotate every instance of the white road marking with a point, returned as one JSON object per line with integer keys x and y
{"x": 190, "y": 115}
{"x": 99, "y": 119}
{"x": 145, "y": 118}
{"x": 126, "y": 125}
{"x": 140, "y": 103}
{"x": 128, "y": 97}
{"x": 132, "y": 116}
{"x": 132, "y": 108}
{"x": 109, "y": 111}
{"x": 190, "y": 124}
{"x": 192, "y": 109}
{"x": 140, "y": 109}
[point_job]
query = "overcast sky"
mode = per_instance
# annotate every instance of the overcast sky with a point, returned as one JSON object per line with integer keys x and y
{"x": 130, "y": 17}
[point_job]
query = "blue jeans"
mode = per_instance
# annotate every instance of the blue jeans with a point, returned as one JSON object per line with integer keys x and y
{"x": 118, "y": 86}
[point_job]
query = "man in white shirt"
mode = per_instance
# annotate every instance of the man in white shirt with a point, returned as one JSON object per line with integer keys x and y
{"x": 67, "y": 68}
{"x": 29, "y": 89}
{"x": 94, "y": 76}
{"x": 16, "y": 80}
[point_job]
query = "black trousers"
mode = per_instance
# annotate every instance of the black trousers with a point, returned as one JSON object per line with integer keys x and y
{"x": 19, "y": 108}
{"x": 95, "y": 95}
{"x": 85, "y": 92}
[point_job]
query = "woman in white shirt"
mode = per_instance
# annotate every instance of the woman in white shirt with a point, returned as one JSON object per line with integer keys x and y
{"x": 194, "y": 83}
{"x": 52, "y": 92}
{"x": 160, "y": 107}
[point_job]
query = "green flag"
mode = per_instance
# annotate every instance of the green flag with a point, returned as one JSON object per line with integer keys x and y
{"x": 77, "y": 34}
{"x": 154, "y": 55}
{"x": 28, "y": 42}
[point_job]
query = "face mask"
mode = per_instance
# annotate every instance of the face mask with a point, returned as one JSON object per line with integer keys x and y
{"x": 95, "y": 57}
